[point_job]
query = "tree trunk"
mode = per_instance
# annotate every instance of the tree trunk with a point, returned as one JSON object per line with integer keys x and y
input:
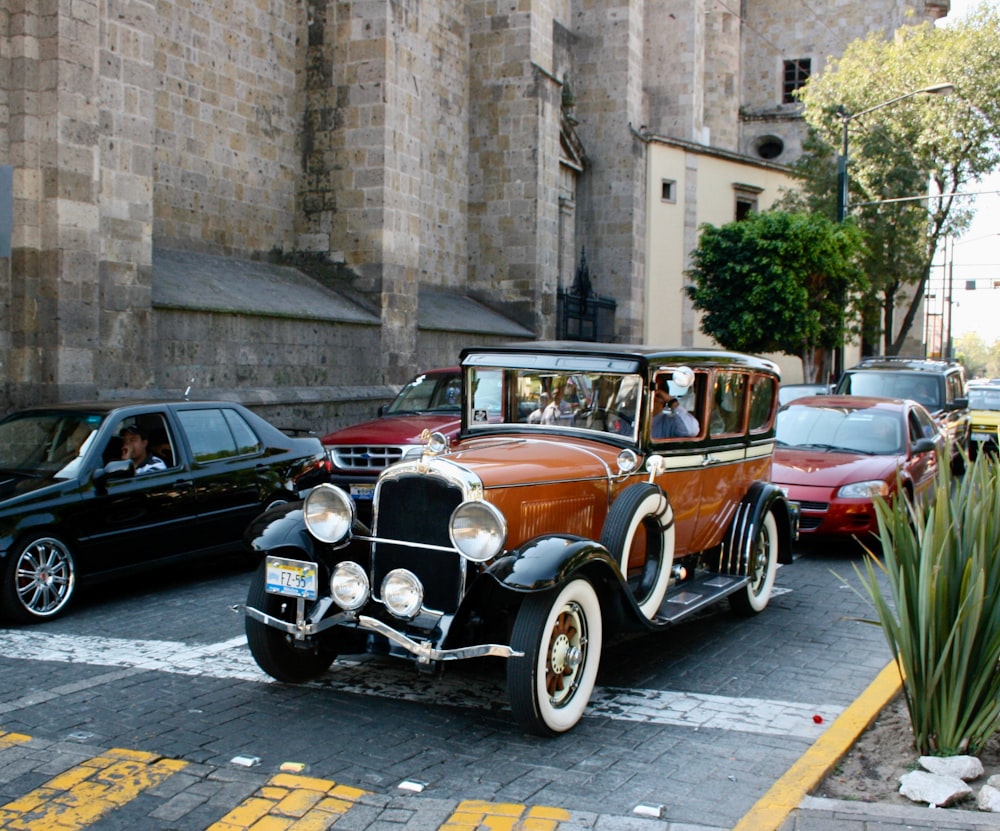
{"x": 911, "y": 311}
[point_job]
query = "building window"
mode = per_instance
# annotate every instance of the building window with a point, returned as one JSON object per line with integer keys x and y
{"x": 668, "y": 190}
{"x": 746, "y": 199}
{"x": 796, "y": 75}
{"x": 768, "y": 147}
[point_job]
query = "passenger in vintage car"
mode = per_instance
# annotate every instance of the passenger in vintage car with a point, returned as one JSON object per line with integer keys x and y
{"x": 670, "y": 419}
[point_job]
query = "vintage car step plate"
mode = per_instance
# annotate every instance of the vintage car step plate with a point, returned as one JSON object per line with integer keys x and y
{"x": 292, "y": 578}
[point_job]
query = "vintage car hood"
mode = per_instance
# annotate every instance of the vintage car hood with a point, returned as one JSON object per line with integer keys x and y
{"x": 821, "y": 468}
{"x": 525, "y": 460}
{"x": 401, "y": 429}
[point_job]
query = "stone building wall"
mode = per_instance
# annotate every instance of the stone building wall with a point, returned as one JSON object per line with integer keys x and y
{"x": 610, "y": 106}
{"x": 227, "y": 83}
{"x": 379, "y": 145}
{"x": 777, "y": 30}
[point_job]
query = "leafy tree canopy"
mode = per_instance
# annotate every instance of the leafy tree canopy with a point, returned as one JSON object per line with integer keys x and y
{"x": 777, "y": 282}
{"x": 934, "y": 145}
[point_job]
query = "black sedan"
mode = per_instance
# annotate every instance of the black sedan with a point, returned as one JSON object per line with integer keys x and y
{"x": 97, "y": 489}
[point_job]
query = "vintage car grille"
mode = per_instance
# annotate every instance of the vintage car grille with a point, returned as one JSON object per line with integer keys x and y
{"x": 368, "y": 457}
{"x": 417, "y": 509}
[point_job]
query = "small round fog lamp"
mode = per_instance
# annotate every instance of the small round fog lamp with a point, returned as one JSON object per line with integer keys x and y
{"x": 349, "y": 586}
{"x": 402, "y": 593}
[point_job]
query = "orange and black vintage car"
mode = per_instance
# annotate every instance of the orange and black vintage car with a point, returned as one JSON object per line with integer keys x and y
{"x": 592, "y": 487}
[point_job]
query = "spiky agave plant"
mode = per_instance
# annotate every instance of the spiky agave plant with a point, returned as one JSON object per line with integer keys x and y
{"x": 941, "y": 612}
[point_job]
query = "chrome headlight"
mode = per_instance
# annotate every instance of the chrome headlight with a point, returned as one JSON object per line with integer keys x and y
{"x": 329, "y": 513}
{"x": 864, "y": 490}
{"x": 349, "y": 586}
{"x": 402, "y": 593}
{"x": 478, "y": 530}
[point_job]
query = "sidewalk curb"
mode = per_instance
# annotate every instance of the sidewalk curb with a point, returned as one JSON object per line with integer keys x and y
{"x": 785, "y": 795}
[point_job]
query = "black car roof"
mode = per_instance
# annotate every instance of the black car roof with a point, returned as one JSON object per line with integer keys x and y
{"x": 641, "y": 353}
{"x": 105, "y": 407}
{"x": 902, "y": 362}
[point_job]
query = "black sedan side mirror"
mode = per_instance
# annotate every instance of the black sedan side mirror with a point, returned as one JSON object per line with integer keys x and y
{"x": 958, "y": 404}
{"x": 924, "y": 446}
{"x": 124, "y": 469}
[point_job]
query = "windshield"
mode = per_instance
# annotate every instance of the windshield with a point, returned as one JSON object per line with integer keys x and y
{"x": 981, "y": 398}
{"x": 430, "y": 393}
{"x": 913, "y": 385}
{"x": 46, "y": 443}
{"x": 854, "y": 431}
{"x": 537, "y": 398}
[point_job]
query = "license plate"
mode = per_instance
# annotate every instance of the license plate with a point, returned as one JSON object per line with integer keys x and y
{"x": 362, "y": 491}
{"x": 292, "y": 578}
{"x": 984, "y": 436}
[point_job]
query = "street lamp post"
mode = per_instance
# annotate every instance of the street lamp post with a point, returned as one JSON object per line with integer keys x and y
{"x": 846, "y": 118}
{"x": 843, "y": 200}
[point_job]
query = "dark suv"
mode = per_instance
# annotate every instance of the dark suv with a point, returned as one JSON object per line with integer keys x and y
{"x": 938, "y": 385}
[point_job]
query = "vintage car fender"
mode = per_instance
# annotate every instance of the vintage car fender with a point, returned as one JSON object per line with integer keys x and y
{"x": 545, "y": 562}
{"x": 759, "y": 499}
{"x": 282, "y": 526}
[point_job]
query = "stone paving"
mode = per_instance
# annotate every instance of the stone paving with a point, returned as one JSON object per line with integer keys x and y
{"x": 415, "y": 753}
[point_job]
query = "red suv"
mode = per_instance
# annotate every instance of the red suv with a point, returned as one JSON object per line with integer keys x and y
{"x": 359, "y": 453}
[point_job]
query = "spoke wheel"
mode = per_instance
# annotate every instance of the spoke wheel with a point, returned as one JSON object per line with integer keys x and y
{"x": 275, "y": 651}
{"x": 763, "y": 564}
{"x": 560, "y": 634}
{"x": 39, "y": 579}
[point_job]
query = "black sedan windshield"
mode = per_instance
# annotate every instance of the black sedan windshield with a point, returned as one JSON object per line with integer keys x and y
{"x": 42, "y": 443}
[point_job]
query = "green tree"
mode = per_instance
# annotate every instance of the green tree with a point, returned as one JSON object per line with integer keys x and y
{"x": 778, "y": 282}
{"x": 974, "y": 353}
{"x": 912, "y": 163}
{"x": 981, "y": 359}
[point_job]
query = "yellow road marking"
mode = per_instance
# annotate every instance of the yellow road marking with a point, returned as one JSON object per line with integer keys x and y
{"x": 291, "y": 803}
{"x": 473, "y": 814}
{"x": 81, "y": 795}
{"x": 784, "y": 796}
{"x": 11, "y": 739}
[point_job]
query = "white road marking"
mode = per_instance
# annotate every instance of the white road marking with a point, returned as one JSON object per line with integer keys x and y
{"x": 395, "y": 679}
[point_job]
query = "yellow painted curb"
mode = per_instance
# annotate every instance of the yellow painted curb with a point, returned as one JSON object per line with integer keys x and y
{"x": 773, "y": 808}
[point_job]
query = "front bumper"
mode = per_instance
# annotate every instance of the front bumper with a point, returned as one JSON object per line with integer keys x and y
{"x": 423, "y": 651}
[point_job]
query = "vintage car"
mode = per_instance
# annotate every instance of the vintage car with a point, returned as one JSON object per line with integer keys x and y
{"x": 529, "y": 538}
{"x": 74, "y": 506}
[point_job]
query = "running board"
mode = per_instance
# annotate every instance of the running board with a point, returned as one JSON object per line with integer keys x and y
{"x": 693, "y": 594}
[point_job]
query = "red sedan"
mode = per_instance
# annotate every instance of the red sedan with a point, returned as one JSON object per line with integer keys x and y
{"x": 835, "y": 453}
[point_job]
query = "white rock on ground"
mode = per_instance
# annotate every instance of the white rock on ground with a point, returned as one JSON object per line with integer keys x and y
{"x": 989, "y": 797}
{"x": 932, "y": 788}
{"x": 963, "y": 767}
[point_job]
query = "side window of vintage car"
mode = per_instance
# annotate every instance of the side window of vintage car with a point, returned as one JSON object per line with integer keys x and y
{"x": 763, "y": 395}
{"x": 728, "y": 403}
{"x": 218, "y": 434}
{"x": 676, "y": 404}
